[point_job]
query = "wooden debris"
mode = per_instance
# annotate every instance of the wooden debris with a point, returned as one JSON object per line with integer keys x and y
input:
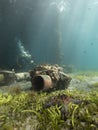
{"x": 59, "y": 78}
{"x": 7, "y": 77}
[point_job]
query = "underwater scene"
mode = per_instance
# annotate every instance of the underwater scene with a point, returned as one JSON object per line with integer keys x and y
{"x": 48, "y": 64}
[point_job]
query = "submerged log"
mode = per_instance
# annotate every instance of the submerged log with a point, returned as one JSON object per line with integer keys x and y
{"x": 7, "y": 77}
{"x": 22, "y": 76}
{"x": 41, "y": 82}
{"x": 59, "y": 79}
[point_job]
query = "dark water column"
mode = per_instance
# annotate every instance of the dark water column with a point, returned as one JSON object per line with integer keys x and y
{"x": 7, "y": 33}
{"x": 45, "y": 43}
{"x": 34, "y": 25}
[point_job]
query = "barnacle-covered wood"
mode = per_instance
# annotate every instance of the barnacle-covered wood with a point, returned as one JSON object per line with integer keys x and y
{"x": 7, "y": 77}
{"x": 59, "y": 78}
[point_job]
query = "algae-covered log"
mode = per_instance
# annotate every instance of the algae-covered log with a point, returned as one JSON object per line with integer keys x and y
{"x": 7, "y": 77}
{"x": 60, "y": 80}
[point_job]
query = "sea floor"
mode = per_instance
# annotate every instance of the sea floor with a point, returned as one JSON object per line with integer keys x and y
{"x": 20, "y": 103}
{"x": 85, "y": 81}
